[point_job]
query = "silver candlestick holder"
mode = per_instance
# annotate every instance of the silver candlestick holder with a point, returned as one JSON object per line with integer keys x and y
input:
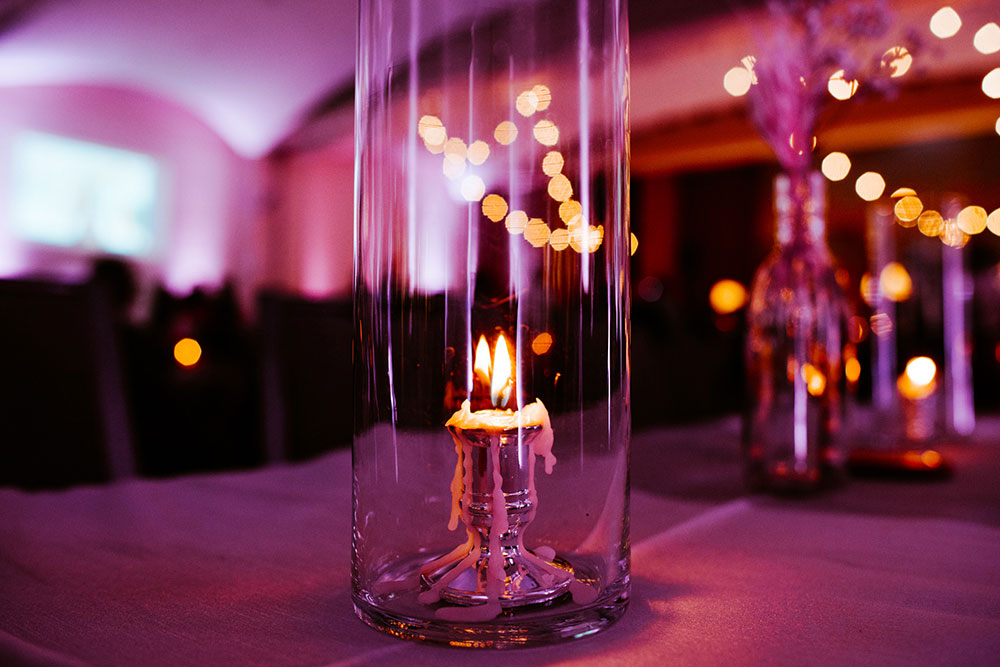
{"x": 528, "y": 578}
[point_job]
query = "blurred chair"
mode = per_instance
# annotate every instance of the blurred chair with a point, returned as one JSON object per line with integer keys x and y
{"x": 63, "y": 414}
{"x": 307, "y": 374}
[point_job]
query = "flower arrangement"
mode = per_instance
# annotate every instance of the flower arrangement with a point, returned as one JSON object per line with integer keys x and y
{"x": 812, "y": 42}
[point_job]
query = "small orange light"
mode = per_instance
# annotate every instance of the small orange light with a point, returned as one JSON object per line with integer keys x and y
{"x": 815, "y": 380}
{"x": 852, "y": 370}
{"x": 895, "y": 282}
{"x": 918, "y": 380}
{"x": 727, "y": 296}
{"x": 930, "y": 458}
{"x": 187, "y": 351}
{"x": 542, "y": 343}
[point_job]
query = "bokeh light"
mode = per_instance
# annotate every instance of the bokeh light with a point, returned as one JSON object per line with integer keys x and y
{"x": 431, "y": 130}
{"x": 993, "y": 222}
{"x": 494, "y": 207}
{"x": 546, "y": 133}
{"x": 897, "y": 60}
{"x": 595, "y": 238}
{"x": 516, "y": 221}
{"x": 987, "y": 39}
{"x": 727, "y": 296}
{"x": 473, "y": 188}
{"x": 870, "y": 185}
{"x": 536, "y": 232}
{"x": 952, "y": 236}
{"x": 187, "y": 351}
{"x": 930, "y": 458}
{"x": 542, "y": 343}
{"x": 945, "y": 23}
{"x": 921, "y": 370}
{"x": 560, "y": 188}
{"x": 635, "y": 244}
{"x": 453, "y": 167}
{"x": 559, "y": 239}
{"x": 907, "y": 210}
{"x": 478, "y": 152}
{"x": 881, "y": 324}
{"x": 904, "y": 192}
{"x": 991, "y": 83}
{"x": 896, "y": 282}
{"x": 455, "y": 148}
{"x": 552, "y": 163}
{"x": 543, "y": 96}
{"x": 930, "y": 223}
{"x": 586, "y": 238}
{"x": 737, "y": 81}
{"x": 526, "y": 103}
{"x": 505, "y": 133}
{"x": 815, "y": 380}
{"x": 852, "y": 369}
{"x": 867, "y": 289}
{"x": 972, "y": 219}
{"x": 841, "y": 88}
{"x": 569, "y": 210}
{"x": 836, "y": 166}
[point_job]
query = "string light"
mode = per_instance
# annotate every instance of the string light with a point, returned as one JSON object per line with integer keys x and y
{"x": 945, "y": 23}
{"x": 870, "y": 185}
{"x": 187, "y": 351}
{"x": 987, "y": 39}
{"x": 991, "y": 83}
{"x": 737, "y": 81}
{"x": 836, "y": 166}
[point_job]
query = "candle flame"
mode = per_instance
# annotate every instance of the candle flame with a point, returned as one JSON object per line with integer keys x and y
{"x": 921, "y": 371}
{"x": 482, "y": 364}
{"x": 918, "y": 380}
{"x": 501, "y": 384}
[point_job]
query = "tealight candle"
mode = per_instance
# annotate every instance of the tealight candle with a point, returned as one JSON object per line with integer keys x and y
{"x": 916, "y": 386}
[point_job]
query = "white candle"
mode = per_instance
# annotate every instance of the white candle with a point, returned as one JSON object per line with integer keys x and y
{"x": 497, "y": 375}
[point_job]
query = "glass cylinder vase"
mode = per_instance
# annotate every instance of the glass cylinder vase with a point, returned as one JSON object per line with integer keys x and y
{"x": 491, "y": 320}
{"x": 794, "y": 350}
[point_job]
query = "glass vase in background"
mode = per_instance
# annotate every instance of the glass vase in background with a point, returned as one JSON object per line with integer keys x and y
{"x": 491, "y": 316}
{"x": 794, "y": 353}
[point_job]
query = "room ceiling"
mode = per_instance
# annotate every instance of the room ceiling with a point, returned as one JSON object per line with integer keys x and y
{"x": 248, "y": 69}
{"x": 254, "y": 70}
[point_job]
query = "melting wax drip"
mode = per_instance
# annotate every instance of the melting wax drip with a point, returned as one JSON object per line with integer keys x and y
{"x": 466, "y": 555}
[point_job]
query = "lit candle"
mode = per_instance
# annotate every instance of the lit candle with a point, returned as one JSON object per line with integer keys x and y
{"x": 493, "y": 493}
{"x": 917, "y": 385}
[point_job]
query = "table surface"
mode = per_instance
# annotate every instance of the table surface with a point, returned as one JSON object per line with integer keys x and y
{"x": 253, "y": 568}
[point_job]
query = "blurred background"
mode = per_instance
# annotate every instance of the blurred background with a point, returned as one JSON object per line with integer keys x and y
{"x": 176, "y": 210}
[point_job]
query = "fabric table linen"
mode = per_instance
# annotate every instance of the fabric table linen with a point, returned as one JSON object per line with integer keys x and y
{"x": 254, "y": 568}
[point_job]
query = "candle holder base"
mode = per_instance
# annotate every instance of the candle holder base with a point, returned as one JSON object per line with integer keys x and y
{"x": 498, "y": 503}
{"x": 529, "y": 579}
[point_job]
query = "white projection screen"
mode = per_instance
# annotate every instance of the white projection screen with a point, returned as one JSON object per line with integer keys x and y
{"x": 86, "y": 196}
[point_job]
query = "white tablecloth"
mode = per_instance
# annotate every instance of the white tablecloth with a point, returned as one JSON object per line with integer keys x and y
{"x": 253, "y": 568}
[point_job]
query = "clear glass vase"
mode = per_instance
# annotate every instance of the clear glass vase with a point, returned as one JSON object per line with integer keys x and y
{"x": 491, "y": 309}
{"x": 794, "y": 350}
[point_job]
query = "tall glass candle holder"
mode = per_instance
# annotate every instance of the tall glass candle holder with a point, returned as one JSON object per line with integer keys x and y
{"x": 491, "y": 320}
